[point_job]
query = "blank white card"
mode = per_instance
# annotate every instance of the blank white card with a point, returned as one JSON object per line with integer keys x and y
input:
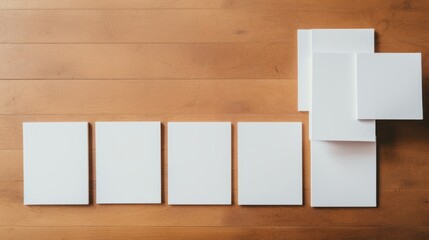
{"x": 128, "y": 162}
{"x": 199, "y": 163}
{"x": 389, "y": 86}
{"x": 343, "y": 174}
{"x": 270, "y": 163}
{"x": 55, "y": 163}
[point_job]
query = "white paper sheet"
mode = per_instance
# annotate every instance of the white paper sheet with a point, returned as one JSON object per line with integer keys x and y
{"x": 270, "y": 163}
{"x": 343, "y": 174}
{"x": 56, "y": 163}
{"x": 327, "y": 41}
{"x": 199, "y": 163}
{"x": 389, "y": 86}
{"x": 333, "y": 107}
{"x": 128, "y": 162}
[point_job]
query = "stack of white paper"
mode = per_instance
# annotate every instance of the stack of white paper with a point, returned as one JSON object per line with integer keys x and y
{"x": 345, "y": 87}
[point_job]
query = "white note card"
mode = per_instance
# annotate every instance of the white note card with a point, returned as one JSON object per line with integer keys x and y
{"x": 199, "y": 163}
{"x": 343, "y": 174}
{"x": 270, "y": 163}
{"x": 389, "y": 86}
{"x": 326, "y": 41}
{"x": 56, "y": 163}
{"x": 333, "y": 106}
{"x": 128, "y": 162}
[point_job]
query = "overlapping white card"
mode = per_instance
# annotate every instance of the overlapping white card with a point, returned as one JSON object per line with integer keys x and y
{"x": 55, "y": 163}
{"x": 389, "y": 86}
{"x": 343, "y": 174}
{"x": 270, "y": 163}
{"x": 333, "y": 111}
{"x": 326, "y": 41}
{"x": 128, "y": 162}
{"x": 199, "y": 163}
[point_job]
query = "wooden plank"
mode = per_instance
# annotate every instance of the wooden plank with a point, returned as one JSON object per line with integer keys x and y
{"x": 404, "y": 207}
{"x": 223, "y": 4}
{"x": 132, "y": 4}
{"x": 137, "y": 26}
{"x": 191, "y": 25}
{"x": 365, "y": 5}
{"x": 214, "y": 233}
{"x": 145, "y": 61}
{"x": 163, "y": 61}
{"x": 148, "y": 97}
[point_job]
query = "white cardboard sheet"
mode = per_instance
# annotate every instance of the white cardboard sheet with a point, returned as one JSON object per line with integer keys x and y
{"x": 128, "y": 162}
{"x": 56, "y": 163}
{"x": 199, "y": 163}
{"x": 270, "y": 163}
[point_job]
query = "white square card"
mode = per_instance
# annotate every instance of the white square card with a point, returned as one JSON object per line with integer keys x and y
{"x": 128, "y": 163}
{"x": 270, "y": 163}
{"x": 199, "y": 163}
{"x": 389, "y": 86}
{"x": 56, "y": 163}
{"x": 343, "y": 174}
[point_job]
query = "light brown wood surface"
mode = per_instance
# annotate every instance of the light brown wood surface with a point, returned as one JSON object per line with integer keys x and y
{"x": 197, "y": 60}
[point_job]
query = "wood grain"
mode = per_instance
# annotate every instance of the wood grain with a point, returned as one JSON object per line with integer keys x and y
{"x": 201, "y": 25}
{"x": 217, "y": 4}
{"x": 149, "y": 97}
{"x": 197, "y": 60}
{"x": 391, "y": 211}
{"x": 145, "y": 61}
{"x": 163, "y": 61}
{"x": 215, "y": 233}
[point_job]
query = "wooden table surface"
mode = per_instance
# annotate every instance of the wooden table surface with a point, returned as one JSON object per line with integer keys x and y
{"x": 197, "y": 60}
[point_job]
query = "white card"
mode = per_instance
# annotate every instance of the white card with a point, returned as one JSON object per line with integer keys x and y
{"x": 270, "y": 163}
{"x": 56, "y": 163}
{"x": 333, "y": 103}
{"x": 389, "y": 86}
{"x": 199, "y": 163}
{"x": 128, "y": 161}
{"x": 327, "y": 41}
{"x": 343, "y": 174}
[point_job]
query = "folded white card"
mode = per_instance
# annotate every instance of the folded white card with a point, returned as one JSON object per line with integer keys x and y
{"x": 270, "y": 163}
{"x": 56, "y": 163}
{"x": 327, "y": 41}
{"x": 128, "y": 162}
{"x": 389, "y": 86}
{"x": 343, "y": 174}
{"x": 333, "y": 103}
{"x": 199, "y": 163}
